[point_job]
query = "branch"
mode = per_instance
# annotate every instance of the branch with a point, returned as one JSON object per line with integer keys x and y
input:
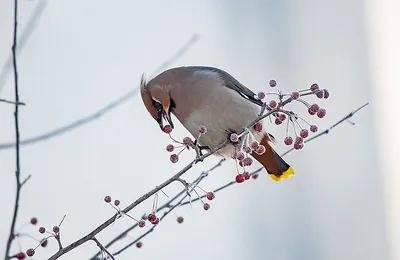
{"x": 102, "y": 248}
{"x": 12, "y": 102}
{"x": 17, "y": 171}
{"x": 104, "y": 110}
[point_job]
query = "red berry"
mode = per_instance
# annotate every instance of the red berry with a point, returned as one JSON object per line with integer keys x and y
{"x": 298, "y": 140}
{"x": 139, "y": 244}
{"x": 313, "y": 128}
{"x": 247, "y": 149}
{"x": 234, "y": 137}
{"x": 246, "y": 175}
{"x": 239, "y": 178}
{"x": 180, "y": 220}
{"x": 272, "y": 83}
{"x": 156, "y": 221}
{"x": 295, "y": 95}
{"x": 167, "y": 129}
{"x": 21, "y": 255}
{"x": 288, "y": 140}
{"x": 278, "y": 121}
{"x": 247, "y": 161}
{"x": 43, "y": 243}
{"x": 311, "y": 112}
{"x": 202, "y": 129}
{"x": 33, "y": 221}
{"x": 314, "y": 87}
{"x": 241, "y": 163}
{"x": 56, "y": 229}
{"x": 210, "y": 195}
{"x": 30, "y": 252}
{"x": 42, "y": 230}
{"x": 258, "y": 126}
{"x": 272, "y": 104}
{"x": 206, "y": 206}
{"x": 170, "y": 148}
{"x": 254, "y": 176}
{"x": 174, "y": 158}
{"x": 314, "y": 107}
{"x": 298, "y": 146}
{"x": 320, "y": 93}
{"x": 321, "y": 113}
{"x": 142, "y": 223}
{"x": 282, "y": 117}
{"x": 260, "y": 149}
{"x": 151, "y": 217}
{"x": 240, "y": 156}
{"x": 187, "y": 141}
{"x": 116, "y": 202}
{"x": 107, "y": 199}
{"x": 261, "y": 95}
{"x": 326, "y": 93}
{"x": 304, "y": 133}
{"x": 254, "y": 145}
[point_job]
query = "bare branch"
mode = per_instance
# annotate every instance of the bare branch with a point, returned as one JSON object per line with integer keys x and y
{"x": 102, "y": 248}
{"x": 12, "y": 102}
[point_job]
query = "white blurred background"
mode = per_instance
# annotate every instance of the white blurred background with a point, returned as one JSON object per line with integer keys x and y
{"x": 341, "y": 204}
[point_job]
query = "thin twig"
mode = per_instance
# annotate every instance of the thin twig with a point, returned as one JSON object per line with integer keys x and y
{"x": 12, "y": 102}
{"x": 102, "y": 111}
{"x": 102, "y": 248}
{"x": 17, "y": 171}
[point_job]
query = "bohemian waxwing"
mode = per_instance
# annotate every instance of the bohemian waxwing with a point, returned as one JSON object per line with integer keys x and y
{"x": 209, "y": 96}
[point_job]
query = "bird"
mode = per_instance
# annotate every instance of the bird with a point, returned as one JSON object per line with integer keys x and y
{"x": 209, "y": 96}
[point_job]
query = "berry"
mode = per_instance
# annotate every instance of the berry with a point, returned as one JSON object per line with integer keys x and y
{"x": 314, "y": 87}
{"x": 298, "y": 140}
{"x": 247, "y": 149}
{"x": 187, "y": 141}
{"x": 298, "y": 146}
{"x": 174, "y": 158}
{"x": 116, "y": 202}
{"x": 246, "y": 175}
{"x": 170, "y": 148}
{"x": 304, "y": 133}
{"x": 255, "y": 176}
{"x": 107, "y": 199}
{"x": 247, "y": 161}
{"x": 210, "y": 195}
{"x": 30, "y": 252}
{"x": 56, "y": 229}
{"x": 321, "y": 113}
{"x": 241, "y": 163}
{"x": 142, "y": 223}
{"x": 240, "y": 156}
{"x": 326, "y": 93}
{"x": 258, "y": 126}
{"x": 33, "y": 221}
{"x": 180, "y": 220}
{"x": 295, "y": 95}
{"x": 261, "y": 95}
{"x": 314, "y": 107}
{"x": 202, "y": 129}
{"x": 156, "y": 221}
{"x": 254, "y": 145}
{"x": 313, "y": 128}
{"x": 260, "y": 149}
{"x": 320, "y": 93}
{"x": 167, "y": 129}
{"x": 278, "y": 121}
{"x": 42, "y": 230}
{"x": 21, "y": 255}
{"x": 272, "y": 104}
{"x": 239, "y": 178}
{"x": 206, "y": 206}
{"x": 234, "y": 138}
{"x": 282, "y": 117}
{"x": 139, "y": 244}
{"x": 311, "y": 112}
{"x": 288, "y": 140}
{"x": 272, "y": 83}
{"x": 151, "y": 217}
{"x": 43, "y": 243}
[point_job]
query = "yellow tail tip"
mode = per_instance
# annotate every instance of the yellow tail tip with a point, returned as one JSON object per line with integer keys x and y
{"x": 285, "y": 175}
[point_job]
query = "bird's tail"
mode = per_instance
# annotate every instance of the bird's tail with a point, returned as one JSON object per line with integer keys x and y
{"x": 276, "y": 167}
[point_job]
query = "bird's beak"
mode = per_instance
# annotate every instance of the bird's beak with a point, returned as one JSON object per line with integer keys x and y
{"x": 168, "y": 116}
{"x": 160, "y": 117}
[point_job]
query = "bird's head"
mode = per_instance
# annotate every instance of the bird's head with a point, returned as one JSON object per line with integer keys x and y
{"x": 157, "y": 101}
